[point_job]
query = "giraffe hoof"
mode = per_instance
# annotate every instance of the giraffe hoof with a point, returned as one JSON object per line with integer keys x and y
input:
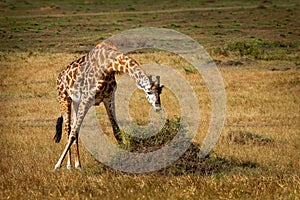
{"x": 78, "y": 166}
{"x": 56, "y": 167}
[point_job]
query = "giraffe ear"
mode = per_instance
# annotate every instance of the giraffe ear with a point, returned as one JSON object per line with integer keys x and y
{"x": 158, "y": 79}
{"x": 160, "y": 89}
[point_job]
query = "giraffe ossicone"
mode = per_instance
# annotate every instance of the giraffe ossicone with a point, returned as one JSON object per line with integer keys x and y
{"x": 90, "y": 80}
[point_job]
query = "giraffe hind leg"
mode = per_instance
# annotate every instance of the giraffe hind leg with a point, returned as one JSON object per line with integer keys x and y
{"x": 65, "y": 119}
{"x": 63, "y": 155}
{"x": 77, "y": 157}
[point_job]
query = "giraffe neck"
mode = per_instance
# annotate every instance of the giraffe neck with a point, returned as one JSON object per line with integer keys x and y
{"x": 128, "y": 65}
{"x": 115, "y": 61}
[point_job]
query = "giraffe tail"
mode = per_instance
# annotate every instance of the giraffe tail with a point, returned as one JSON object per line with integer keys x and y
{"x": 58, "y": 134}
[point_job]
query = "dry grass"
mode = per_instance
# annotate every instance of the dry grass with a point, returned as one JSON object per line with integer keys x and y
{"x": 257, "y": 52}
{"x": 257, "y": 156}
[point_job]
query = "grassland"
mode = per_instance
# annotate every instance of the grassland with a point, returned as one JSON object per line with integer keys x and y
{"x": 256, "y": 47}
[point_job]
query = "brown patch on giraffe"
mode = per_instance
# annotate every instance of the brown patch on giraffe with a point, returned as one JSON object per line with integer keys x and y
{"x": 102, "y": 56}
{"x": 121, "y": 68}
{"x": 111, "y": 68}
{"x": 81, "y": 60}
{"x": 139, "y": 74}
{"x": 133, "y": 63}
{"x": 68, "y": 79}
{"x": 120, "y": 63}
{"x": 75, "y": 72}
{"x": 71, "y": 77}
{"x": 130, "y": 70}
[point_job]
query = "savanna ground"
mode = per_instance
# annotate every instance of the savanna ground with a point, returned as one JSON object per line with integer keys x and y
{"x": 255, "y": 45}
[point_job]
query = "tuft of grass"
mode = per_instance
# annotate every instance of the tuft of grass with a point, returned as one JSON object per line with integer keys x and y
{"x": 130, "y": 8}
{"x": 175, "y": 25}
{"x": 245, "y": 48}
{"x": 57, "y": 31}
{"x": 190, "y": 70}
{"x": 51, "y": 44}
{"x": 163, "y": 137}
{"x": 12, "y": 7}
{"x": 282, "y": 35}
{"x": 246, "y": 138}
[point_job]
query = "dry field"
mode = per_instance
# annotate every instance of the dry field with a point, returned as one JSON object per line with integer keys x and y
{"x": 256, "y": 48}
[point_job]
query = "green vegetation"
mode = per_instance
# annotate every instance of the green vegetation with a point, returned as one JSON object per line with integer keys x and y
{"x": 108, "y": 20}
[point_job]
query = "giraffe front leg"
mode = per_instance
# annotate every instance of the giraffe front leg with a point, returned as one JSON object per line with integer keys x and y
{"x": 67, "y": 120}
{"x": 80, "y": 112}
{"x": 110, "y": 109}
{"x": 77, "y": 158}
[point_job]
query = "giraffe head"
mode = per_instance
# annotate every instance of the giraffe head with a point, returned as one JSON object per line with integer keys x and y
{"x": 153, "y": 93}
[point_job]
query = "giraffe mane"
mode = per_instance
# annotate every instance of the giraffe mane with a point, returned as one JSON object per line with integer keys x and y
{"x": 106, "y": 44}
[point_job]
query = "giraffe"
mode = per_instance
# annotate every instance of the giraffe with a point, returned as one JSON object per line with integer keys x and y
{"x": 89, "y": 81}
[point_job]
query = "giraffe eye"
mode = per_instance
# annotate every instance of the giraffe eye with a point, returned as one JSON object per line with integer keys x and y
{"x": 149, "y": 93}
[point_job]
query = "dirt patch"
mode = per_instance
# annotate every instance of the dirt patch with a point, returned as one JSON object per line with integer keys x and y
{"x": 234, "y": 62}
{"x": 49, "y": 8}
{"x": 281, "y": 69}
{"x": 240, "y": 137}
